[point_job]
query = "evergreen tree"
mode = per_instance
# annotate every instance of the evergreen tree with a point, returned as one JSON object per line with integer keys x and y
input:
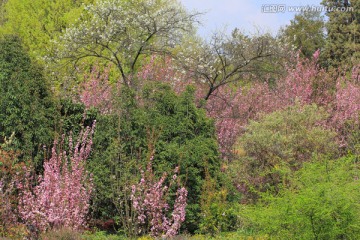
{"x": 343, "y": 32}
{"x": 26, "y": 107}
{"x": 305, "y": 32}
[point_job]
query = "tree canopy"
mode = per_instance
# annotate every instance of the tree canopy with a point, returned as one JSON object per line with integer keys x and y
{"x": 122, "y": 32}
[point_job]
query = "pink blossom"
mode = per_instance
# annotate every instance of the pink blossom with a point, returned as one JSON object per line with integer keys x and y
{"x": 149, "y": 200}
{"x": 96, "y": 90}
{"x": 61, "y": 198}
{"x": 306, "y": 83}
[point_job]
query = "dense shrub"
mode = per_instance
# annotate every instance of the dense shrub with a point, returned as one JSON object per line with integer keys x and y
{"x": 278, "y": 144}
{"x": 10, "y": 170}
{"x": 218, "y": 212}
{"x": 26, "y": 104}
{"x": 322, "y": 203}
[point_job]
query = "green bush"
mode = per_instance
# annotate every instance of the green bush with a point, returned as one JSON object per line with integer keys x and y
{"x": 277, "y": 145}
{"x": 101, "y": 236}
{"x": 182, "y": 135}
{"x": 218, "y": 214}
{"x": 322, "y": 203}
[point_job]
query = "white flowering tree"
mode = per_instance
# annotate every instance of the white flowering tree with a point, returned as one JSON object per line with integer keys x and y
{"x": 122, "y": 32}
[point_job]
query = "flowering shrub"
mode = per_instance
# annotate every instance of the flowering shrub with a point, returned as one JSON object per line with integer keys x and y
{"x": 149, "y": 199}
{"x": 347, "y": 102}
{"x": 61, "y": 197}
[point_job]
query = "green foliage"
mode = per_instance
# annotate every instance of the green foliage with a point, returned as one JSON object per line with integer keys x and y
{"x": 278, "y": 144}
{"x": 322, "y": 203}
{"x": 26, "y": 104}
{"x": 342, "y": 45}
{"x": 37, "y": 22}
{"x": 74, "y": 117}
{"x": 101, "y": 236}
{"x": 2, "y": 12}
{"x": 306, "y": 32}
{"x": 182, "y": 135}
{"x": 217, "y": 213}
{"x": 352, "y": 131}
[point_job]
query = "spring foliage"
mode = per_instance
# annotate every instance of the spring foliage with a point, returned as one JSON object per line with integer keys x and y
{"x": 122, "y": 32}
{"x": 249, "y": 139}
{"x": 277, "y": 145}
{"x": 322, "y": 203}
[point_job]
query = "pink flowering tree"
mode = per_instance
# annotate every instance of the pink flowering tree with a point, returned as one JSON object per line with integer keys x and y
{"x": 345, "y": 111}
{"x": 96, "y": 90}
{"x": 232, "y": 108}
{"x": 150, "y": 200}
{"x": 165, "y": 69}
{"x": 347, "y": 102}
{"x": 61, "y": 197}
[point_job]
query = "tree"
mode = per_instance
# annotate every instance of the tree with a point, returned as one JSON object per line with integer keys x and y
{"x": 41, "y": 22}
{"x": 96, "y": 90}
{"x": 306, "y": 32}
{"x": 122, "y": 32}
{"x": 26, "y": 104}
{"x": 233, "y": 108}
{"x": 230, "y": 59}
{"x": 343, "y": 32}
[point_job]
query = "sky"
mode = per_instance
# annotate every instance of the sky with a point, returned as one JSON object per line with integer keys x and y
{"x": 247, "y": 15}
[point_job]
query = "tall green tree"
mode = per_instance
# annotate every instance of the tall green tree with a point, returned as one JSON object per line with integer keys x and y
{"x": 306, "y": 32}
{"x": 343, "y": 32}
{"x": 37, "y": 22}
{"x": 26, "y": 104}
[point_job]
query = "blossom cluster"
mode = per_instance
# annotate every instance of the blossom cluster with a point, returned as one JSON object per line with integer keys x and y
{"x": 96, "y": 90}
{"x": 62, "y": 196}
{"x": 149, "y": 199}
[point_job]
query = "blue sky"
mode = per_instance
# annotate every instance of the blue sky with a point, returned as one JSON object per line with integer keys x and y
{"x": 246, "y": 15}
